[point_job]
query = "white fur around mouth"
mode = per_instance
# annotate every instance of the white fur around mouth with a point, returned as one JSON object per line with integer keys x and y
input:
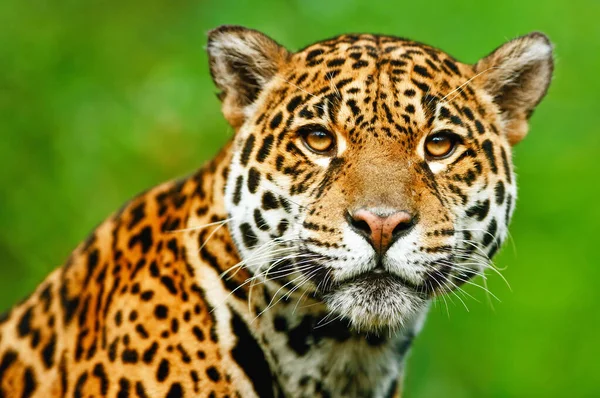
{"x": 375, "y": 301}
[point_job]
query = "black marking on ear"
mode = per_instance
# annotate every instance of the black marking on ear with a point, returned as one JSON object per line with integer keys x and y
{"x": 248, "y": 235}
{"x": 248, "y": 146}
{"x": 253, "y": 180}
{"x": 237, "y": 192}
{"x": 251, "y": 358}
{"x": 488, "y": 149}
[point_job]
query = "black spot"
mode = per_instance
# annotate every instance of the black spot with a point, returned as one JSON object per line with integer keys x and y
{"x": 167, "y": 282}
{"x": 479, "y": 210}
{"x": 137, "y": 214}
{"x": 276, "y": 121}
{"x": 265, "y": 148}
{"x": 488, "y": 148}
{"x": 24, "y": 325}
{"x": 500, "y": 191}
{"x": 507, "y": 169}
{"x": 129, "y": 356}
{"x": 163, "y": 370}
{"x": 260, "y": 221}
{"x": 248, "y": 146}
{"x": 124, "y": 387}
{"x": 294, "y": 103}
{"x": 175, "y": 391}
{"x": 280, "y": 324}
{"x": 421, "y": 70}
{"x": 313, "y": 54}
{"x": 92, "y": 263}
{"x": 298, "y": 336}
{"x": 139, "y": 390}
{"x": 479, "y": 127}
{"x": 198, "y": 333}
{"x": 100, "y": 373}
{"x": 269, "y": 201}
{"x": 360, "y": 64}
{"x": 161, "y": 311}
{"x": 150, "y": 352}
{"x": 490, "y": 234}
{"x": 248, "y": 235}
{"x": 112, "y": 349}
{"x": 144, "y": 238}
{"x": 452, "y": 66}
{"x": 253, "y": 180}
{"x": 213, "y": 374}
{"x": 48, "y": 352}
{"x": 78, "y": 393}
{"x": 139, "y": 328}
{"x": 237, "y": 192}
{"x": 29, "y": 383}
{"x": 410, "y": 93}
{"x": 251, "y": 358}
{"x": 147, "y": 295}
{"x": 8, "y": 359}
{"x": 174, "y": 325}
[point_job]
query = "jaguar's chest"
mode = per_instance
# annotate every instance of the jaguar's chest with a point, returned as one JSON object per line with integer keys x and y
{"x": 310, "y": 356}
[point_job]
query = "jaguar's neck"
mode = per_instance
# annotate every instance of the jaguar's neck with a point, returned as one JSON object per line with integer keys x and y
{"x": 292, "y": 339}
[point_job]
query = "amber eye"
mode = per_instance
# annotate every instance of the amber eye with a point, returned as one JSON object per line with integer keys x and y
{"x": 441, "y": 144}
{"x": 319, "y": 141}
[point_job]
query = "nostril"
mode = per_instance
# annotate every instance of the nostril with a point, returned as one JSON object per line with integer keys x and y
{"x": 361, "y": 225}
{"x": 359, "y": 222}
{"x": 403, "y": 227}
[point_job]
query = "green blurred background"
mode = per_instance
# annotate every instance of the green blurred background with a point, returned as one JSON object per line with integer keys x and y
{"x": 102, "y": 99}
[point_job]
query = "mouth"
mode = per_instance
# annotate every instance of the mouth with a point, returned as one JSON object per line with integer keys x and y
{"x": 376, "y": 300}
{"x": 380, "y": 278}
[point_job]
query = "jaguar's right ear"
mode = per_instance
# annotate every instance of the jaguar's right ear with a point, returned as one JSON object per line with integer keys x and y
{"x": 242, "y": 61}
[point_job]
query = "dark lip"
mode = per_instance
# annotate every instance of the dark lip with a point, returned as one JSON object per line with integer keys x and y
{"x": 379, "y": 276}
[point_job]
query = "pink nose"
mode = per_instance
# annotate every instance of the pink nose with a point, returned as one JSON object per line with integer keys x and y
{"x": 381, "y": 231}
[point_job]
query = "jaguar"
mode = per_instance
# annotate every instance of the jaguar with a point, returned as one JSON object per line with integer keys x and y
{"x": 368, "y": 175}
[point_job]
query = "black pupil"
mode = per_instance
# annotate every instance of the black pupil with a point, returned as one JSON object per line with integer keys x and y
{"x": 439, "y": 139}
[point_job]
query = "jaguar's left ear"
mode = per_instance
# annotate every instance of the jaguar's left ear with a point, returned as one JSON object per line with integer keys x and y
{"x": 242, "y": 62}
{"x": 517, "y": 76}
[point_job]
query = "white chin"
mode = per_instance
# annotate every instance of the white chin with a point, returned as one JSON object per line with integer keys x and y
{"x": 375, "y": 305}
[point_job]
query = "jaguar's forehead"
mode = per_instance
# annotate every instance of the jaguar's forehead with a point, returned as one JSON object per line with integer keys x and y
{"x": 382, "y": 85}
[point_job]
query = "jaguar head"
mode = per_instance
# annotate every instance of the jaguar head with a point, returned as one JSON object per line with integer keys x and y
{"x": 370, "y": 172}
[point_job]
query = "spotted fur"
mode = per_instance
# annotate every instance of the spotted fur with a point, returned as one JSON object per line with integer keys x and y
{"x": 251, "y": 277}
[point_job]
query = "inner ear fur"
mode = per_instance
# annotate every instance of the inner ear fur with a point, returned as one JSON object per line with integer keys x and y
{"x": 242, "y": 62}
{"x": 517, "y": 75}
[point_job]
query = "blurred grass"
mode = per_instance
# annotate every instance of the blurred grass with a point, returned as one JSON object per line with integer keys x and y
{"x": 102, "y": 99}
